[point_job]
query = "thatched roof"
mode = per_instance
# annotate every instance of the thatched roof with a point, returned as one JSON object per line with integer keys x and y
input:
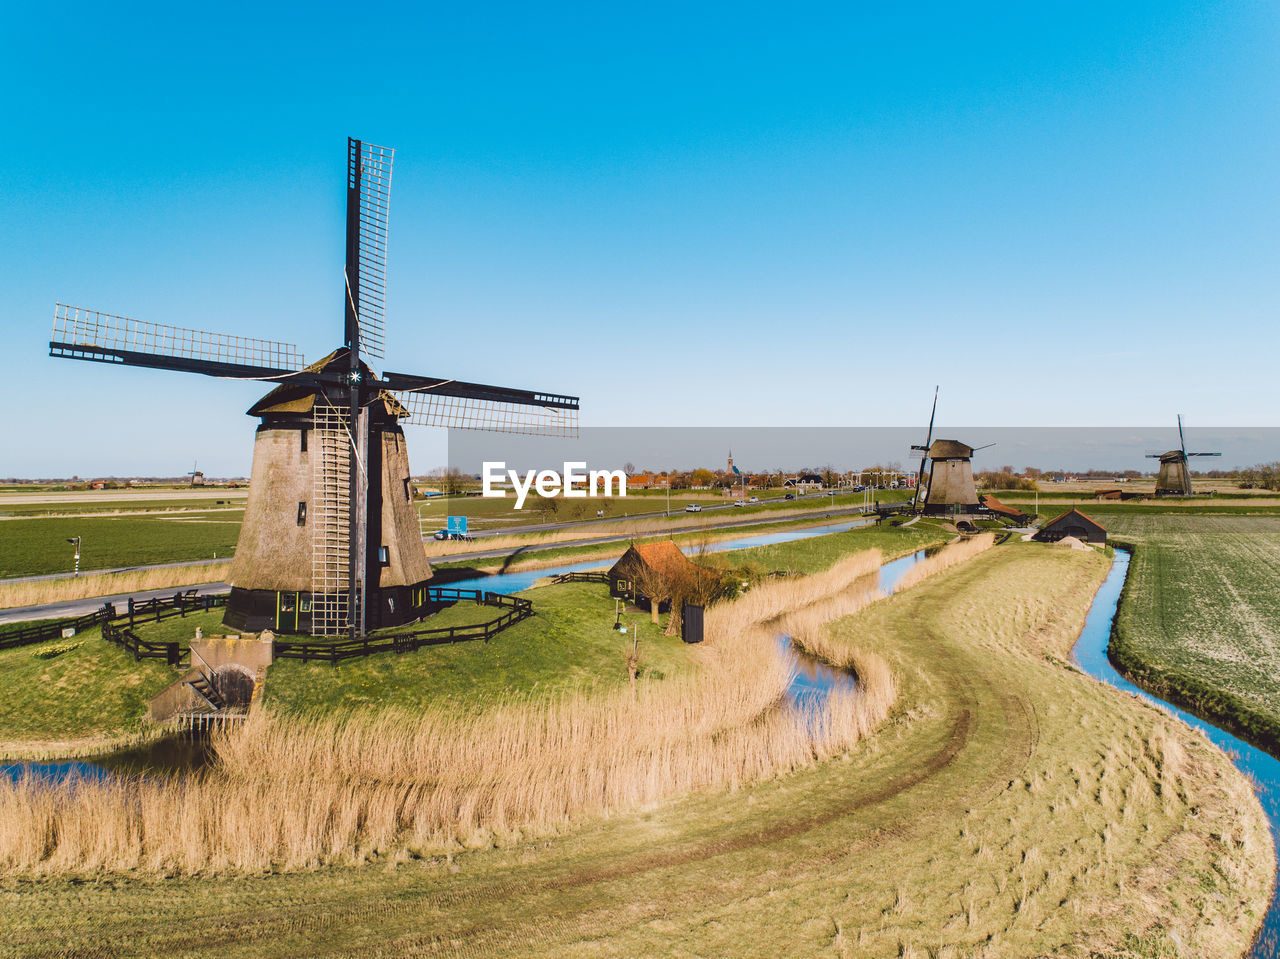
{"x": 949, "y": 450}
{"x": 299, "y": 398}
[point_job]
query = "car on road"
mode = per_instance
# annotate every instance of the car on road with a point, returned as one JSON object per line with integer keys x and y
{"x": 693, "y": 508}
{"x": 754, "y": 499}
{"x": 790, "y": 496}
{"x": 739, "y": 502}
{"x": 447, "y": 534}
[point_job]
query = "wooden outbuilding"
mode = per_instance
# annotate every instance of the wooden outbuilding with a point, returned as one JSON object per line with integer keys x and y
{"x": 654, "y": 572}
{"x": 1073, "y": 523}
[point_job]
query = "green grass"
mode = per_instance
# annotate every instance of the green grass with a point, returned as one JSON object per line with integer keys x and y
{"x": 1200, "y": 619}
{"x": 94, "y": 690}
{"x": 569, "y": 643}
{"x": 32, "y": 547}
{"x": 136, "y": 504}
{"x": 820, "y": 552}
{"x": 492, "y": 513}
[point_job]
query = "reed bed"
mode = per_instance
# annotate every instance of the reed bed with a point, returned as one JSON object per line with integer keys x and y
{"x": 300, "y": 793}
{"x": 90, "y": 585}
{"x": 945, "y": 558}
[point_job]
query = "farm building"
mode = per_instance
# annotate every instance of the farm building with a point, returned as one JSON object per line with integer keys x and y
{"x": 1073, "y": 523}
{"x": 653, "y": 571}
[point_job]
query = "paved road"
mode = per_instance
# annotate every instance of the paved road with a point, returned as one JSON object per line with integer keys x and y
{"x": 78, "y": 607}
{"x": 756, "y": 520}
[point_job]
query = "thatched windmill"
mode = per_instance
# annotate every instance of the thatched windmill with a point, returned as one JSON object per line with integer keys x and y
{"x": 950, "y": 489}
{"x": 330, "y": 542}
{"x": 1174, "y": 478}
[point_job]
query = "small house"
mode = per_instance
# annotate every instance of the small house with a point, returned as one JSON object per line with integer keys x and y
{"x": 649, "y": 571}
{"x": 1073, "y": 523}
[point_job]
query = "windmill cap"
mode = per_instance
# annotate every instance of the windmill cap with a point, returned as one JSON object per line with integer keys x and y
{"x": 949, "y": 450}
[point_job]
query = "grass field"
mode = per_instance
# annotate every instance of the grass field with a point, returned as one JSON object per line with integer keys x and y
{"x": 33, "y": 547}
{"x": 1013, "y": 808}
{"x": 95, "y": 691}
{"x": 493, "y": 513}
{"x": 1200, "y": 618}
{"x": 568, "y": 644}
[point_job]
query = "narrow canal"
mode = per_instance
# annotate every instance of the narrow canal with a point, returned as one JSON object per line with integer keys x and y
{"x": 1090, "y": 654}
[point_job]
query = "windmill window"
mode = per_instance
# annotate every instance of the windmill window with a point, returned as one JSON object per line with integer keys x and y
{"x": 304, "y": 440}
{"x": 384, "y": 556}
{"x": 407, "y": 495}
{"x": 302, "y": 513}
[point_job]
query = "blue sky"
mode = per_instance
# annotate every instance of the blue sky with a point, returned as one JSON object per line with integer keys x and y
{"x": 735, "y": 214}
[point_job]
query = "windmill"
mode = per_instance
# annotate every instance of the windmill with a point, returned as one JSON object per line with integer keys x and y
{"x": 1174, "y": 477}
{"x": 950, "y": 489}
{"x": 197, "y": 477}
{"x": 330, "y": 542}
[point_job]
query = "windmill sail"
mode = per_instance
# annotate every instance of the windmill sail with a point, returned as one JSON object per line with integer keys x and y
{"x": 368, "y": 209}
{"x": 81, "y": 334}
{"x": 473, "y": 406}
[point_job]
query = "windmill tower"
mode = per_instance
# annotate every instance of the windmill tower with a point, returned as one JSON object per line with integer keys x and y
{"x": 330, "y": 543}
{"x": 197, "y": 477}
{"x": 950, "y": 488}
{"x": 1174, "y": 477}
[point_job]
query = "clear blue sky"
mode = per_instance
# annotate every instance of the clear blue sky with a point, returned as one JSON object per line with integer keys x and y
{"x": 687, "y": 214}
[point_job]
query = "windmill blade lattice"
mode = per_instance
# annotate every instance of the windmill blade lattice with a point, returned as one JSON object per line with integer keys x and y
{"x": 83, "y": 334}
{"x": 369, "y": 202}
{"x": 472, "y": 413}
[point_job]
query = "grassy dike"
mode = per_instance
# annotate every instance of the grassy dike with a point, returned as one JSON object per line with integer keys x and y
{"x": 1011, "y": 807}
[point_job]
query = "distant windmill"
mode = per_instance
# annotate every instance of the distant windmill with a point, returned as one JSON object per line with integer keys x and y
{"x": 197, "y": 477}
{"x": 330, "y": 542}
{"x": 950, "y": 489}
{"x": 1174, "y": 477}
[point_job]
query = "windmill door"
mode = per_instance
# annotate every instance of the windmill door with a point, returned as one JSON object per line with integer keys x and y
{"x": 287, "y": 612}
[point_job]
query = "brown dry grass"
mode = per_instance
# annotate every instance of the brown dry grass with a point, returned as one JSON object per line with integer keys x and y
{"x": 91, "y": 585}
{"x": 295, "y": 794}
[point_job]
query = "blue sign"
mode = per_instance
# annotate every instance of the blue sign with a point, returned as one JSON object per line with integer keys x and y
{"x": 457, "y": 524}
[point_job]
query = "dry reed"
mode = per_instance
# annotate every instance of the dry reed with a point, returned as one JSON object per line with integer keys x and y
{"x": 300, "y": 793}
{"x": 91, "y": 585}
{"x": 945, "y": 558}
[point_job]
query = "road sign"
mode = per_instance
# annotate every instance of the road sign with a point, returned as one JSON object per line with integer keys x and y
{"x": 457, "y": 524}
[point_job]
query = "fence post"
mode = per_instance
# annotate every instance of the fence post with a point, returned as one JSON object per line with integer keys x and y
{"x": 172, "y": 656}
{"x": 130, "y": 610}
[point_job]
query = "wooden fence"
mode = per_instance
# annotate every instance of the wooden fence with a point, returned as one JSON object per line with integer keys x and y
{"x": 179, "y": 604}
{"x": 127, "y": 639}
{"x": 118, "y": 628}
{"x": 516, "y": 609}
{"x": 39, "y": 632}
{"x": 582, "y": 578}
